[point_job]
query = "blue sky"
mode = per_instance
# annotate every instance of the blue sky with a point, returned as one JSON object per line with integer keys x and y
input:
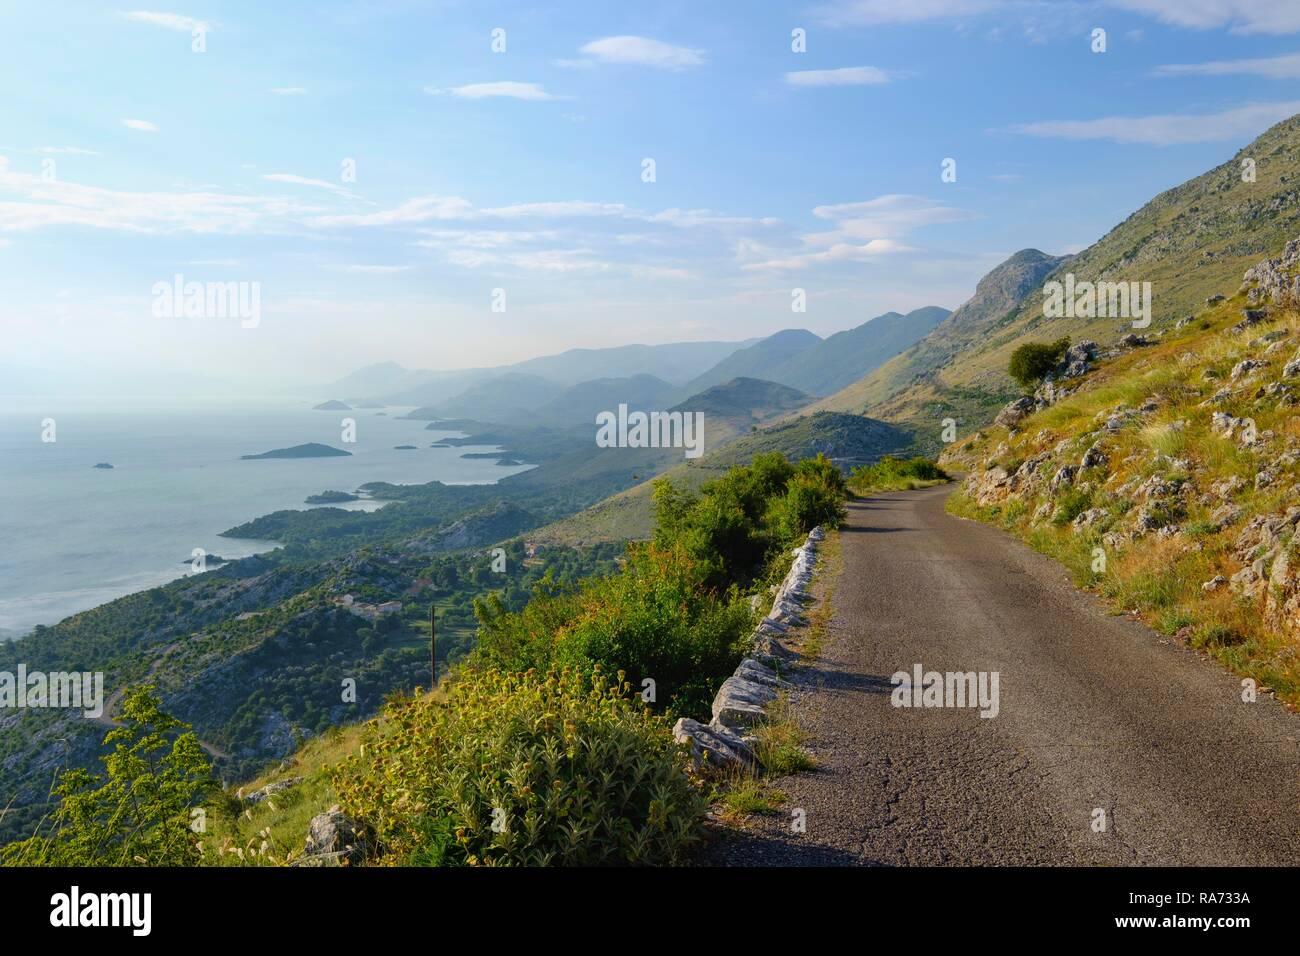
{"x": 126, "y": 157}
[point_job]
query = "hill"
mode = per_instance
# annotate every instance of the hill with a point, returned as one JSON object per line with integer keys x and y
{"x": 763, "y": 360}
{"x": 844, "y": 357}
{"x": 745, "y": 401}
{"x": 847, "y": 440}
{"x": 1189, "y": 242}
{"x": 1176, "y": 462}
{"x": 579, "y": 404}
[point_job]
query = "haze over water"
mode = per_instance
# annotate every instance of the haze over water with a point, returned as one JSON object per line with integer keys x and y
{"x": 75, "y": 536}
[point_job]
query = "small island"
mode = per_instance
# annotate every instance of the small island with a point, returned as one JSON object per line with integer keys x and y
{"x": 208, "y": 560}
{"x": 331, "y": 497}
{"x": 104, "y": 464}
{"x": 309, "y": 450}
{"x": 403, "y": 447}
{"x": 333, "y": 405}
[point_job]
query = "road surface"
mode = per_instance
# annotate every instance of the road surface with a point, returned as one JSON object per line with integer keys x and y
{"x": 1100, "y": 721}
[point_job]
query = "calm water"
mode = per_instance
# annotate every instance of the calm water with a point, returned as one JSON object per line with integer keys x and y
{"x": 73, "y": 536}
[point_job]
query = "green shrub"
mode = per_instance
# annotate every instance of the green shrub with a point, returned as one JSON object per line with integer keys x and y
{"x": 139, "y": 813}
{"x": 896, "y": 474}
{"x": 657, "y": 620}
{"x": 1031, "y": 362}
{"x": 1069, "y": 505}
{"x": 525, "y": 769}
{"x": 808, "y": 502}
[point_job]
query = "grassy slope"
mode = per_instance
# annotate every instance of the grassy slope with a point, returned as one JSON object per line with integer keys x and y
{"x": 849, "y": 439}
{"x": 1160, "y": 576}
{"x": 1190, "y": 242}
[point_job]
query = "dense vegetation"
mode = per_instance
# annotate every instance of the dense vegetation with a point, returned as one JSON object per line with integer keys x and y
{"x": 145, "y": 808}
{"x": 531, "y": 752}
{"x": 896, "y": 474}
{"x": 1030, "y": 363}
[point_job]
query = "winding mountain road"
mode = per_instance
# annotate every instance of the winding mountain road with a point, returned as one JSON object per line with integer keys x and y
{"x": 1096, "y": 713}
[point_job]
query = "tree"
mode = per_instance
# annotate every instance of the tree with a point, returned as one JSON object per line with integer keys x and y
{"x": 1031, "y": 362}
{"x": 139, "y": 812}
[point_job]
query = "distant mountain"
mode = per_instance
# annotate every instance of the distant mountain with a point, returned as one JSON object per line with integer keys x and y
{"x": 763, "y": 360}
{"x": 799, "y": 359}
{"x": 508, "y": 398}
{"x": 579, "y": 404}
{"x": 974, "y": 321}
{"x": 1190, "y": 242}
{"x": 749, "y": 400}
{"x": 333, "y": 405}
{"x": 674, "y": 362}
{"x": 845, "y": 357}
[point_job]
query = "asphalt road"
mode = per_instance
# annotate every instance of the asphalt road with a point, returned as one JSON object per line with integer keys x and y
{"x": 1096, "y": 713}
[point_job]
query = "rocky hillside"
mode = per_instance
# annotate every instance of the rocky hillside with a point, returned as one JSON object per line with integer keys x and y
{"x": 1165, "y": 471}
{"x": 1189, "y": 242}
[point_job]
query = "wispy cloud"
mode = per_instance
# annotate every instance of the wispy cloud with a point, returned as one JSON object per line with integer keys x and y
{"x": 45, "y": 203}
{"x": 288, "y": 90}
{"x": 306, "y": 181}
{"x": 863, "y": 231}
{"x": 504, "y": 88}
{"x": 1285, "y": 67}
{"x": 169, "y": 21}
{"x": 139, "y": 124}
{"x": 839, "y": 252}
{"x": 52, "y": 150}
{"x": 375, "y": 270}
{"x": 1167, "y": 129}
{"x": 638, "y": 51}
{"x": 1238, "y": 16}
{"x": 844, "y": 76}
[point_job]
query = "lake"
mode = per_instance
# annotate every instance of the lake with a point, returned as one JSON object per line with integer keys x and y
{"x": 73, "y": 536}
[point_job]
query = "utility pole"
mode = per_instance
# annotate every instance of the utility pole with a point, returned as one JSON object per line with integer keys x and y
{"x": 433, "y": 648}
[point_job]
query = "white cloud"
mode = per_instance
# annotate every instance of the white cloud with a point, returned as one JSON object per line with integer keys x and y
{"x": 1285, "y": 67}
{"x": 504, "y": 88}
{"x": 1169, "y": 129}
{"x": 840, "y": 252}
{"x": 288, "y": 90}
{"x": 641, "y": 51}
{"x": 419, "y": 209}
{"x": 893, "y": 214}
{"x": 143, "y": 125}
{"x": 306, "y": 181}
{"x": 42, "y": 203}
{"x": 863, "y": 231}
{"x": 1239, "y": 16}
{"x": 844, "y": 76}
{"x": 170, "y": 21}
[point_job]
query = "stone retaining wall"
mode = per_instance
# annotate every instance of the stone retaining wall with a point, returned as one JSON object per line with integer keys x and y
{"x": 743, "y": 698}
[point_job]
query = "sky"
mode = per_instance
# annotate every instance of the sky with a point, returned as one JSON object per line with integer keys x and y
{"x": 453, "y": 184}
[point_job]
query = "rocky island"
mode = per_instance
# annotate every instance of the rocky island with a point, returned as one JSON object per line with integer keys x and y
{"x": 104, "y": 464}
{"x": 309, "y": 450}
{"x": 331, "y": 497}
